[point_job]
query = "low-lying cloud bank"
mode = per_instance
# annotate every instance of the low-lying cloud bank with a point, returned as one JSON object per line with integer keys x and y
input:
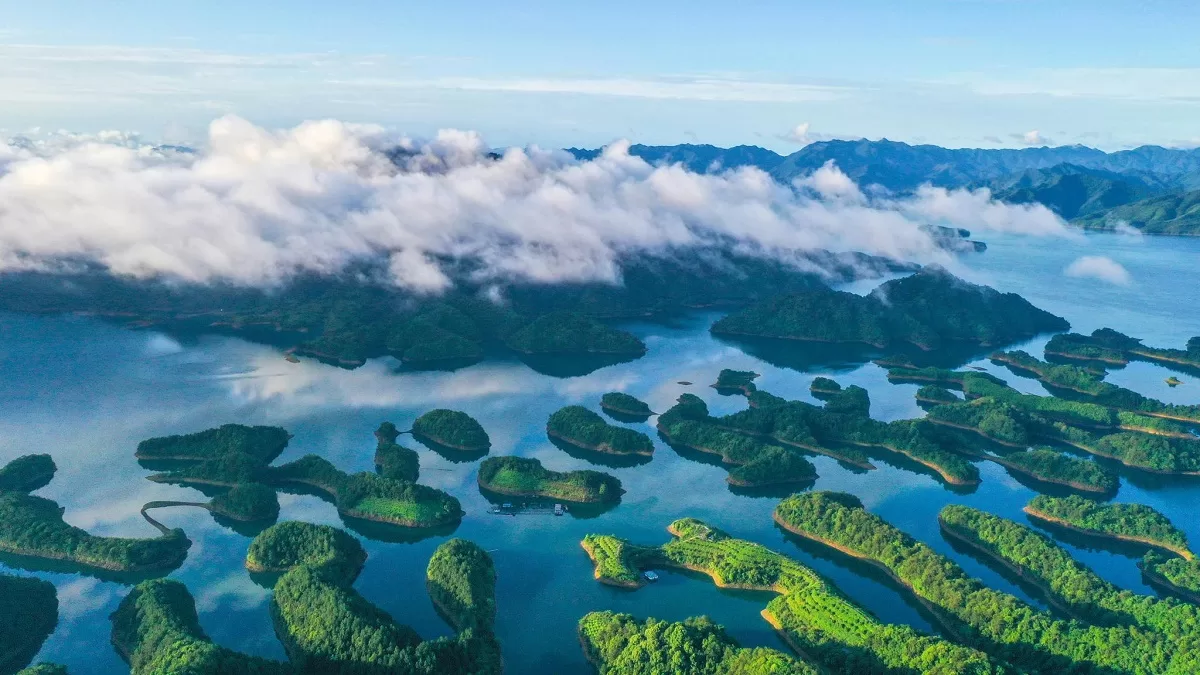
{"x": 256, "y": 207}
{"x": 1101, "y": 268}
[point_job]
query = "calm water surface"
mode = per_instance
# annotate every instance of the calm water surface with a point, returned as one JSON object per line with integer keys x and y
{"x": 87, "y": 392}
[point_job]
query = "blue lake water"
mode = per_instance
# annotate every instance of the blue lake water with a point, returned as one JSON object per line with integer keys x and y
{"x": 87, "y": 392}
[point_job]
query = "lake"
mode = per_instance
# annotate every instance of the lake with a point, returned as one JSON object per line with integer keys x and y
{"x": 87, "y": 392}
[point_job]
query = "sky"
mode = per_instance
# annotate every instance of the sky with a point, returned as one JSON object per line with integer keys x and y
{"x": 960, "y": 73}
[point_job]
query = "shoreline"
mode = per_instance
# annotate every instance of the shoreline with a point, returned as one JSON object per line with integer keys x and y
{"x": 536, "y": 495}
{"x": 603, "y": 448}
{"x": 1048, "y": 594}
{"x": 977, "y": 432}
{"x": 1186, "y": 554}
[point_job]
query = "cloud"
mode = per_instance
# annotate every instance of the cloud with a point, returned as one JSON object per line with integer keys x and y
{"x": 1033, "y": 139}
{"x": 1101, "y": 268}
{"x": 256, "y": 207}
{"x": 976, "y": 210}
{"x": 680, "y": 88}
{"x": 1134, "y": 84}
{"x": 799, "y": 134}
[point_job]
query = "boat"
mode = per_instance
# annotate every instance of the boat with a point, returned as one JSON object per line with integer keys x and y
{"x": 650, "y": 576}
{"x": 559, "y": 509}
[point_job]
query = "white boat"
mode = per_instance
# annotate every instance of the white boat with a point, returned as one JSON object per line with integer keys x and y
{"x": 650, "y": 576}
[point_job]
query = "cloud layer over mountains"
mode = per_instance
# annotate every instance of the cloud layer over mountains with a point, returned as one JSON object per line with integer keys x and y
{"x": 255, "y": 207}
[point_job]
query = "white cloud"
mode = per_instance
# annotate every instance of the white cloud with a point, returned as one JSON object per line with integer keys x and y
{"x": 256, "y": 206}
{"x": 1137, "y": 84}
{"x": 975, "y": 209}
{"x": 1101, "y": 268}
{"x": 1033, "y": 139}
{"x": 682, "y": 88}
{"x": 799, "y": 134}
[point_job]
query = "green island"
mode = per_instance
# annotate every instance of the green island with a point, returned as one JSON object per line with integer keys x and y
{"x": 621, "y": 644}
{"x": 1106, "y": 345}
{"x": 1125, "y": 632}
{"x": 261, "y": 443}
{"x": 755, "y": 463}
{"x": 1052, "y": 466}
{"x": 841, "y": 429}
{"x": 571, "y": 333}
{"x": 623, "y": 404}
{"x": 393, "y": 460}
{"x": 27, "y": 473}
{"x": 1173, "y": 381}
{"x": 461, "y": 580}
{"x": 28, "y": 615}
{"x": 526, "y": 477}
{"x": 452, "y": 429}
{"x": 1168, "y": 563}
{"x": 1081, "y": 382}
{"x": 346, "y": 319}
{"x": 823, "y": 386}
{"x": 369, "y": 496}
{"x": 1147, "y": 443}
{"x": 812, "y": 616}
{"x": 324, "y": 625}
{"x": 736, "y": 381}
{"x": 391, "y": 497}
{"x": 584, "y": 429}
{"x": 1134, "y": 523}
{"x": 932, "y": 394}
{"x": 927, "y": 310}
{"x": 33, "y": 527}
{"x": 157, "y": 632}
{"x": 243, "y": 503}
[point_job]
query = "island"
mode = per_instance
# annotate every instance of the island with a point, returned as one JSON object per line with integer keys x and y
{"x": 626, "y": 405}
{"x": 1108, "y": 346}
{"x": 27, "y": 473}
{"x": 926, "y": 310}
{"x": 824, "y": 387}
{"x": 975, "y": 614}
{"x": 461, "y": 580}
{"x": 1173, "y": 381}
{"x": 568, "y": 333}
{"x": 842, "y": 429}
{"x": 156, "y": 630}
{"x": 582, "y": 428}
{"x": 1133, "y": 523}
{"x": 1180, "y": 576}
{"x": 247, "y": 502}
{"x": 753, "y": 464}
{"x": 326, "y": 626}
{"x": 1079, "y": 382}
{"x": 261, "y": 443}
{"x": 452, "y": 429}
{"x": 735, "y": 381}
{"x": 932, "y": 395}
{"x": 368, "y": 496}
{"x": 28, "y": 615}
{"x": 812, "y": 616}
{"x": 33, "y": 527}
{"x": 391, "y": 497}
{"x": 393, "y": 460}
{"x": 1047, "y": 465}
{"x": 619, "y": 644}
{"x": 525, "y": 477}
{"x": 285, "y": 545}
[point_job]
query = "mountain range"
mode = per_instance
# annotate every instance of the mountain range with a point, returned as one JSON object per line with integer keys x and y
{"x": 1151, "y": 188}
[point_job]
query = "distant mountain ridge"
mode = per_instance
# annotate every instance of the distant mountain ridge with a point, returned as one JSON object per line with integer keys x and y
{"x": 901, "y": 167}
{"x": 1148, "y": 188}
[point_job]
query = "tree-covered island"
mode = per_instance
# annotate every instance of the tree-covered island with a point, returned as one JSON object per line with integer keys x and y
{"x": 452, "y": 429}
{"x": 813, "y": 617}
{"x": 33, "y": 527}
{"x": 526, "y": 477}
{"x": 28, "y": 615}
{"x": 624, "y": 404}
{"x": 1108, "y": 346}
{"x": 585, "y": 429}
{"x": 1152, "y": 636}
{"x": 928, "y": 309}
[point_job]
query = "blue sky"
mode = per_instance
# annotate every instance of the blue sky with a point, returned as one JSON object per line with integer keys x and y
{"x": 979, "y": 73}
